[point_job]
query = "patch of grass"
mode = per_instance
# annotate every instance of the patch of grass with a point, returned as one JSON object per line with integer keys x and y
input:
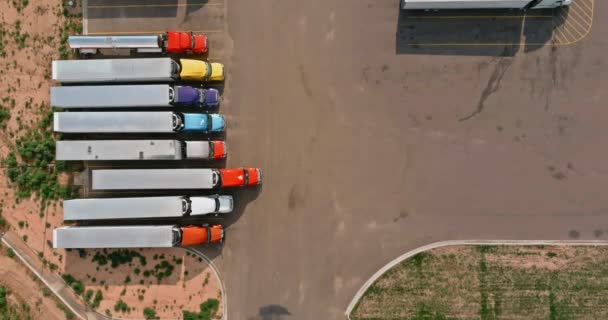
{"x": 76, "y": 285}
{"x": 69, "y": 315}
{"x": 35, "y": 173}
{"x": 208, "y": 310}
{"x": 121, "y": 306}
{"x": 150, "y": 314}
{"x": 493, "y": 282}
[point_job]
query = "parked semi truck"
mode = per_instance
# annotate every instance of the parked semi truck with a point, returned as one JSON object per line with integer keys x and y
{"x": 153, "y": 122}
{"x": 482, "y": 4}
{"x": 136, "y": 70}
{"x": 105, "y": 150}
{"x": 149, "y": 95}
{"x": 156, "y": 179}
{"x": 146, "y": 208}
{"x": 161, "y": 236}
{"x": 169, "y": 42}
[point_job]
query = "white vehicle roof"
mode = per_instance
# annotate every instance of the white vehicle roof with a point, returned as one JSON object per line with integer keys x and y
{"x": 151, "y": 95}
{"x": 108, "y": 122}
{"x": 91, "y": 150}
{"x": 123, "y": 208}
{"x": 113, "y": 237}
{"x": 197, "y": 149}
{"x": 114, "y": 42}
{"x": 114, "y": 70}
{"x": 149, "y": 179}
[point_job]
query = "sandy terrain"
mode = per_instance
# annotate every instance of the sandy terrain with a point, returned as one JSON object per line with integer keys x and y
{"x": 18, "y": 279}
{"x": 25, "y": 79}
{"x": 191, "y": 283}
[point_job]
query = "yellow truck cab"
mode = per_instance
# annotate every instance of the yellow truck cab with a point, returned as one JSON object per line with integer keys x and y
{"x": 196, "y": 70}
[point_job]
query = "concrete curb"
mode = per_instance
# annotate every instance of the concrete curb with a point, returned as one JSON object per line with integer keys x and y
{"x": 218, "y": 275}
{"x": 440, "y": 244}
{"x": 48, "y": 285}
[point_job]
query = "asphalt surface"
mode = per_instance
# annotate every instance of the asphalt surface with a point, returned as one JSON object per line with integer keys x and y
{"x": 375, "y": 140}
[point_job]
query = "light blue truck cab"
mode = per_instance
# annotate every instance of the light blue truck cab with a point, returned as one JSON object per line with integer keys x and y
{"x": 201, "y": 122}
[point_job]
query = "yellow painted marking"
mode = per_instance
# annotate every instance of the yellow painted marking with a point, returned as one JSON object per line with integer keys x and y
{"x": 579, "y": 15}
{"x": 110, "y": 33}
{"x": 568, "y": 31}
{"x": 153, "y": 5}
{"x": 576, "y": 21}
{"x": 583, "y": 12}
{"x": 585, "y": 5}
{"x": 555, "y": 36}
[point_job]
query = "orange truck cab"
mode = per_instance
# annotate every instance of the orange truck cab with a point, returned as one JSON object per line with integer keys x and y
{"x": 181, "y": 42}
{"x": 240, "y": 177}
{"x": 218, "y": 149}
{"x": 193, "y": 235}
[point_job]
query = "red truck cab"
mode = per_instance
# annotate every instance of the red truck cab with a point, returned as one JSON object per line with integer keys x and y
{"x": 241, "y": 177}
{"x": 193, "y": 235}
{"x": 219, "y": 149}
{"x": 180, "y": 42}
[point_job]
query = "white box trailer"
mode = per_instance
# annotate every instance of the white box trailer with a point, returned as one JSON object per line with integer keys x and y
{"x": 154, "y": 179}
{"x": 160, "y": 236}
{"x": 144, "y": 95}
{"x": 482, "y": 4}
{"x": 116, "y": 70}
{"x": 134, "y": 122}
{"x": 146, "y": 207}
{"x": 107, "y": 122}
{"x": 107, "y": 150}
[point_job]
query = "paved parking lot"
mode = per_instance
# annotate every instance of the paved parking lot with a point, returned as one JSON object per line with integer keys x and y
{"x": 372, "y": 144}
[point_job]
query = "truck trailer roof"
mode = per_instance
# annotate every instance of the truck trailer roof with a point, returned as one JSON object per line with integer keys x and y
{"x": 107, "y": 122}
{"x": 115, "y": 237}
{"x": 114, "y": 42}
{"x": 123, "y": 208}
{"x": 464, "y": 4}
{"x": 150, "y": 95}
{"x": 150, "y": 179}
{"x": 115, "y": 70}
{"x": 92, "y": 150}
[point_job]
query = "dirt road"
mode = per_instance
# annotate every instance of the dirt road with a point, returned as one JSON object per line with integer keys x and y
{"x": 16, "y": 277}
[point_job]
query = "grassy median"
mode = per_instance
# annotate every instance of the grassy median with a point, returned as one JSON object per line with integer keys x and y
{"x": 493, "y": 282}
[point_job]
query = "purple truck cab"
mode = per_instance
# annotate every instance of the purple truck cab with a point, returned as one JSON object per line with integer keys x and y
{"x": 189, "y": 96}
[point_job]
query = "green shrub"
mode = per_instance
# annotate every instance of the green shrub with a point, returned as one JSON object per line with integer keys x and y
{"x": 150, "y": 314}
{"x": 121, "y": 306}
{"x": 208, "y": 310}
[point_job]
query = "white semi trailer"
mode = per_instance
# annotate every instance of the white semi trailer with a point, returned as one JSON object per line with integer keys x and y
{"x": 108, "y": 150}
{"x": 141, "y": 95}
{"x": 135, "y": 70}
{"x": 146, "y": 207}
{"x": 482, "y": 4}
{"x": 155, "y": 179}
{"x": 136, "y": 122}
{"x": 160, "y": 236}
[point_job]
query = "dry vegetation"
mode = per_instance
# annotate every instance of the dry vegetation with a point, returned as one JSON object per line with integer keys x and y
{"x": 32, "y": 185}
{"x": 22, "y": 296}
{"x": 493, "y": 282}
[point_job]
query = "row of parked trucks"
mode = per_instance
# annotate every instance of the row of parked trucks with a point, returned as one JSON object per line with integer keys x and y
{"x": 92, "y": 85}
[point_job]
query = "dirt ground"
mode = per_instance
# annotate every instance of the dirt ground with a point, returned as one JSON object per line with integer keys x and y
{"x": 190, "y": 284}
{"x": 514, "y": 282}
{"x": 19, "y": 280}
{"x": 30, "y": 37}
